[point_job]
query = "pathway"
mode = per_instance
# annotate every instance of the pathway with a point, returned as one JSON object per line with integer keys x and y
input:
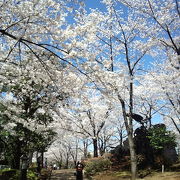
{"x": 64, "y": 174}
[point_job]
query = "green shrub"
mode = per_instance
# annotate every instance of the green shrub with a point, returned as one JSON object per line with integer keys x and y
{"x": 9, "y": 174}
{"x": 13, "y": 174}
{"x": 31, "y": 175}
{"x": 16, "y": 176}
{"x": 33, "y": 169}
{"x": 97, "y": 165}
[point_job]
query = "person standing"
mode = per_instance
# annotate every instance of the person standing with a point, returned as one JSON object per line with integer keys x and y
{"x": 54, "y": 166}
{"x": 79, "y": 171}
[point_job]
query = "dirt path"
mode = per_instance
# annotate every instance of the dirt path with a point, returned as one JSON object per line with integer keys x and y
{"x": 64, "y": 174}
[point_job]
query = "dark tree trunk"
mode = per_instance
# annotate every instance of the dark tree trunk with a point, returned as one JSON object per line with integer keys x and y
{"x": 85, "y": 151}
{"x": 129, "y": 129}
{"x": 16, "y": 161}
{"x": 67, "y": 161}
{"x": 102, "y": 146}
{"x": 15, "y": 164}
{"x": 42, "y": 159}
{"x": 95, "y": 144}
{"x": 121, "y": 139}
{"x": 67, "y": 164}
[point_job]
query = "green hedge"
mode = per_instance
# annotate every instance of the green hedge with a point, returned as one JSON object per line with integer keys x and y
{"x": 98, "y": 165}
{"x": 31, "y": 175}
{"x": 13, "y": 174}
{"x": 9, "y": 174}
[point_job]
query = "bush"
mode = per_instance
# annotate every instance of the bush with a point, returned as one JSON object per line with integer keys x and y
{"x": 34, "y": 169}
{"x": 97, "y": 165}
{"x": 9, "y": 174}
{"x": 45, "y": 174}
{"x": 13, "y": 174}
{"x": 31, "y": 175}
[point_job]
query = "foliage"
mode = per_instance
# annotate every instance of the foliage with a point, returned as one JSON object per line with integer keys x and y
{"x": 31, "y": 175}
{"x": 45, "y": 173}
{"x": 24, "y": 141}
{"x": 9, "y": 174}
{"x": 160, "y": 137}
{"x": 25, "y": 116}
{"x": 13, "y": 174}
{"x": 97, "y": 165}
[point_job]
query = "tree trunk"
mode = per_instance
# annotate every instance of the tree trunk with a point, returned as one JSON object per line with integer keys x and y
{"x": 67, "y": 163}
{"x": 95, "y": 147}
{"x": 16, "y": 155}
{"x": 130, "y": 133}
{"x": 42, "y": 159}
{"x": 133, "y": 157}
{"x": 129, "y": 129}
{"x": 121, "y": 139}
{"x": 101, "y": 146}
{"x": 85, "y": 150}
{"x": 16, "y": 161}
{"x": 30, "y": 158}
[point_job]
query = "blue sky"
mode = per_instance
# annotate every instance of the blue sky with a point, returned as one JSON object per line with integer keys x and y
{"x": 94, "y": 4}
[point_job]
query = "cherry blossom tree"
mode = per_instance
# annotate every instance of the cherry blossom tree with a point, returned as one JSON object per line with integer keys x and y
{"x": 114, "y": 58}
{"x": 37, "y": 26}
{"x": 119, "y": 44}
{"x": 26, "y": 107}
{"x": 87, "y": 117}
{"x": 29, "y": 94}
{"x": 110, "y": 52}
{"x": 166, "y": 80}
{"x": 66, "y": 150}
{"x": 162, "y": 25}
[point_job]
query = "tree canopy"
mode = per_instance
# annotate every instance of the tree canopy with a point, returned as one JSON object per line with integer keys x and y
{"x": 54, "y": 52}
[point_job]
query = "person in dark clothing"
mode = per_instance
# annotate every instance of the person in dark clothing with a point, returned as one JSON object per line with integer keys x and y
{"x": 79, "y": 171}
